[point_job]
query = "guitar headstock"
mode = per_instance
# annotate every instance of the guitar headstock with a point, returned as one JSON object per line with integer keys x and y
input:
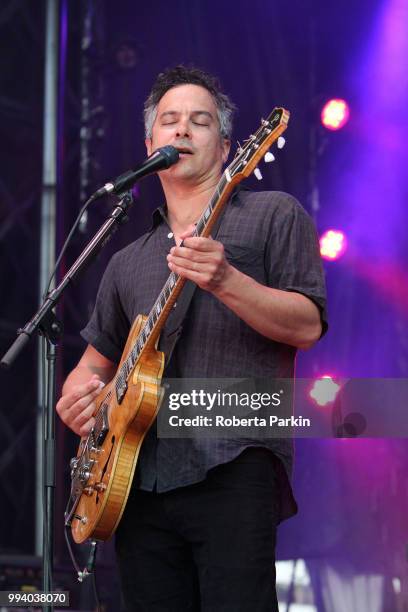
{"x": 248, "y": 156}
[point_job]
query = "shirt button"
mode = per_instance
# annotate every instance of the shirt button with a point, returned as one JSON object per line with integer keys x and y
{"x": 170, "y": 235}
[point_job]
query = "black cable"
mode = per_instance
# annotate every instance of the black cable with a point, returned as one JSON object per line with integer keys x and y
{"x": 89, "y": 569}
{"x": 95, "y": 590}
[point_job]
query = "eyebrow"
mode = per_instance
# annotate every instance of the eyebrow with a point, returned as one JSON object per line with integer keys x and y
{"x": 195, "y": 113}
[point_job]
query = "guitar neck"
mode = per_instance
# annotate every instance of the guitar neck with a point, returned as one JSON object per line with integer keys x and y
{"x": 175, "y": 283}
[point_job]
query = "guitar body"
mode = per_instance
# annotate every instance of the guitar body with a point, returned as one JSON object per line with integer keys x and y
{"x": 111, "y": 465}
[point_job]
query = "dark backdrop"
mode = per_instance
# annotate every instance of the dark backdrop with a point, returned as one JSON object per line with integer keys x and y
{"x": 266, "y": 54}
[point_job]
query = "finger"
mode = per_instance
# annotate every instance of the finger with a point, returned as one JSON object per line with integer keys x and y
{"x": 84, "y": 416}
{"x": 82, "y": 404}
{"x": 202, "y": 244}
{"x": 185, "y": 264}
{"x": 207, "y": 267}
{"x": 197, "y": 277}
{"x": 85, "y": 429}
{"x": 191, "y": 254}
{"x": 79, "y": 391}
{"x": 188, "y": 232}
{"x": 69, "y": 411}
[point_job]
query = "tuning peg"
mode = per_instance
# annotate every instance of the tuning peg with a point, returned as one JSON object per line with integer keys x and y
{"x": 269, "y": 157}
{"x": 258, "y": 174}
{"x": 281, "y": 142}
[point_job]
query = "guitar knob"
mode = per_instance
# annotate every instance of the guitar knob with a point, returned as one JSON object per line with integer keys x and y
{"x": 269, "y": 157}
{"x": 73, "y": 463}
{"x": 84, "y": 474}
{"x": 101, "y": 487}
{"x": 258, "y": 174}
{"x": 81, "y": 519}
{"x": 281, "y": 142}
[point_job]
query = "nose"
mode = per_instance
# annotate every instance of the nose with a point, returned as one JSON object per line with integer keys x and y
{"x": 182, "y": 128}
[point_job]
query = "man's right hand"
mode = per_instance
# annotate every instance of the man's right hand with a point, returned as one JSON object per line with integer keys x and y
{"x": 76, "y": 407}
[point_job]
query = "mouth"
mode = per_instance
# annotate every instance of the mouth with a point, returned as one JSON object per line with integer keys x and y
{"x": 184, "y": 151}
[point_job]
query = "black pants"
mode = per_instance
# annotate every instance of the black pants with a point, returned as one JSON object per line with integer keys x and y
{"x": 207, "y": 547}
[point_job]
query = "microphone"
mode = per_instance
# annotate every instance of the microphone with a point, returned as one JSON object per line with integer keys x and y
{"x": 159, "y": 160}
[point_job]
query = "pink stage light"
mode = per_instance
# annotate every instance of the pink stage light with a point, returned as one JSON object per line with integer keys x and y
{"x": 335, "y": 114}
{"x": 324, "y": 390}
{"x": 333, "y": 244}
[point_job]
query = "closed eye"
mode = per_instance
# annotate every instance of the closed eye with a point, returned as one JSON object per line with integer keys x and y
{"x": 194, "y": 122}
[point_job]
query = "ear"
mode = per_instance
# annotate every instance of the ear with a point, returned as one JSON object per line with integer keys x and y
{"x": 148, "y": 143}
{"x": 226, "y": 146}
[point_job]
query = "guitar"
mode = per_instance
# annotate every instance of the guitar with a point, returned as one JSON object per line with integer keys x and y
{"x": 103, "y": 469}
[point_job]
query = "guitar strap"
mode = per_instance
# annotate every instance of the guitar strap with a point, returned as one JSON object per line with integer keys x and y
{"x": 174, "y": 326}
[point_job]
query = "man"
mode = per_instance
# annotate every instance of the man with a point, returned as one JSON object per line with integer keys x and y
{"x": 199, "y": 529}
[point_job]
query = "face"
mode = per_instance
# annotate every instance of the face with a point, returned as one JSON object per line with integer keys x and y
{"x": 187, "y": 119}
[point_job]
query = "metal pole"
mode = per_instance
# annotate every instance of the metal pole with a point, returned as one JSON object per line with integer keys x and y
{"x": 48, "y": 230}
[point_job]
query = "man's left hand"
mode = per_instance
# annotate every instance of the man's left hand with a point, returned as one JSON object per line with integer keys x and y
{"x": 201, "y": 260}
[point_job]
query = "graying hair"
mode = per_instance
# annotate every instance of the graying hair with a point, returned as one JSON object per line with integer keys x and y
{"x": 180, "y": 75}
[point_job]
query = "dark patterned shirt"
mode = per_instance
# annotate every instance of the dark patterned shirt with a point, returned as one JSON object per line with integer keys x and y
{"x": 266, "y": 235}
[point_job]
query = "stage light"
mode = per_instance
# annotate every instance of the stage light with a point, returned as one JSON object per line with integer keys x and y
{"x": 335, "y": 114}
{"x": 324, "y": 390}
{"x": 333, "y": 244}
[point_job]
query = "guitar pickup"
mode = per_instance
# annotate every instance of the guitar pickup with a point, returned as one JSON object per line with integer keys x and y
{"x": 121, "y": 392}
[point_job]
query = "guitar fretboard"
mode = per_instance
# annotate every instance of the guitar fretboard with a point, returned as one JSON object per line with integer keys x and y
{"x": 156, "y": 318}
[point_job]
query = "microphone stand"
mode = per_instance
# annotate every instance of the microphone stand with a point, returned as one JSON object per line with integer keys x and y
{"x": 47, "y": 324}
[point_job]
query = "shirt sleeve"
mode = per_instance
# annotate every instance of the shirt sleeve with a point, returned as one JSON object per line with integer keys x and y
{"x": 108, "y": 327}
{"x": 292, "y": 260}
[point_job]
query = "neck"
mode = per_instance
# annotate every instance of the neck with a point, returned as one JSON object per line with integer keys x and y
{"x": 186, "y": 203}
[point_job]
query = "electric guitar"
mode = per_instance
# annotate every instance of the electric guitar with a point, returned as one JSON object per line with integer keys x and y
{"x": 103, "y": 469}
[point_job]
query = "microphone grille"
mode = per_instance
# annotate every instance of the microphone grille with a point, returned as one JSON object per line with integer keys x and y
{"x": 171, "y": 155}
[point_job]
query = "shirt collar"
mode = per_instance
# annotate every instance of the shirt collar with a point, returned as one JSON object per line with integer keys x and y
{"x": 158, "y": 216}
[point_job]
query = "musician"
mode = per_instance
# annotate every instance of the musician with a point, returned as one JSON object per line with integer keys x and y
{"x": 199, "y": 528}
